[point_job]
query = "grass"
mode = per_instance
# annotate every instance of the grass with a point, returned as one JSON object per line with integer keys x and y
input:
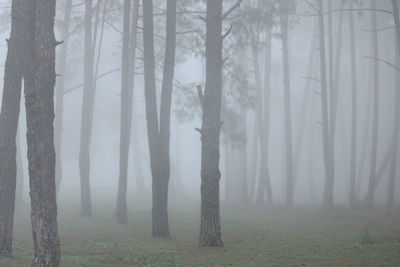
{"x": 253, "y": 236}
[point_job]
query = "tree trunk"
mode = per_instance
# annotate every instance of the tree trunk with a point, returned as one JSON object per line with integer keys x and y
{"x": 159, "y": 136}
{"x": 262, "y": 118}
{"x": 396, "y": 123}
{"x": 328, "y": 188}
{"x": 210, "y": 227}
{"x": 353, "y": 148}
{"x": 39, "y": 76}
{"x": 374, "y": 146}
{"x": 19, "y": 198}
{"x": 61, "y": 66}
{"x": 9, "y": 115}
{"x": 284, "y": 21}
{"x": 87, "y": 114}
{"x": 126, "y": 118}
{"x": 165, "y": 121}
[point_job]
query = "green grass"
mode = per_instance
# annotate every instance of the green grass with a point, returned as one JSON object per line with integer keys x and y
{"x": 255, "y": 236}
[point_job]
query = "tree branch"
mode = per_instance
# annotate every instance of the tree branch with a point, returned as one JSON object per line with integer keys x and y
{"x": 229, "y": 11}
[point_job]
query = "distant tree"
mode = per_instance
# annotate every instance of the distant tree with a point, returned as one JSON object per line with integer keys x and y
{"x": 375, "y": 120}
{"x": 354, "y": 117}
{"x": 9, "y": 123}
{"x": 284, "y": 25}
{"x": 327, "y": 152}
{"x": 127, "y": 84}
{"x": 60, "y": 88}
{"x": 39, "y": 78}
{"x": 396, "y": 123}
{"x": 87, "y": 113}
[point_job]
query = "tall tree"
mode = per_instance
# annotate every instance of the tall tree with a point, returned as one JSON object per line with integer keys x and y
{"x": 127, "y": 83}
{"x": 210, "y": 225}
{"x": 353, "y": 148}
{"x": 39, "y": 78}
{"x": 284, "y": 23}
{"x": 60, "y": 87}
{"x": 328, "y": 193}
{"x": 9, "y": 123}
{"x": 375, "y": 120}
{"x": 396, "y": 117}
{"x": 159, "y": 133}
{"x": 87, "y": 113}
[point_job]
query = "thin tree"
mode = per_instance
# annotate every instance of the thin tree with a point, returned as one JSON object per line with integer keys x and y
{"x": 39, "y": 77}
{"x": 375, "y": 121}
{"x": 396, "y": 123}
{"x": 284, "y": 23}
{"x": 9, "y": 115}
{"x": 126, "y": 117}
{"x": 60, "y": 87}
{"x": 87, "y": 114}
{"x": 159, "y": 133}
{"x": 328, "y": 193}
{"x": 353, "y": 148}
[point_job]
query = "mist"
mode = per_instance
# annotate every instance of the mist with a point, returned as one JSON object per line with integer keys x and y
{"x": 199, "y": 133}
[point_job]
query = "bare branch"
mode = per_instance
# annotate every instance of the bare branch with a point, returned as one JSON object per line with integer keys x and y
{"x": 383, "y": 61}
{"x": 229, "y": 11}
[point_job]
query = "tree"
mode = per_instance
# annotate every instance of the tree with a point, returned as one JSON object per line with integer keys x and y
{"x": 39, "y": 78}
{"x": 87, "y": 114}
{"x": 159, "y": 133}
{"x": 9, "y": 123}
{"x": 375, "y": 121}
{"x": 327, "y": 152}
{"x": 61, "y": 67}
{"x": 353, "y": 149}
{"x": 284, "y": 21}
{"x": 127, "y": 83}
{"x": 210, "y": 225}
{"x": 396, "y": 123}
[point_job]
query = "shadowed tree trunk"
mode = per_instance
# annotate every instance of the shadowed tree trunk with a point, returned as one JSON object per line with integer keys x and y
{"x": 9, "y": 115}
{"x": 374, "y": 146}
{"x": 353, "y": 148}
{"x": 39, "y": 77}
{"x": 159, "y": 135}
{"x": 87, "y": 114}
{"x": 61, "y": 66}
{"x": 284, "y": 21}
{"x": 210, "y": 226}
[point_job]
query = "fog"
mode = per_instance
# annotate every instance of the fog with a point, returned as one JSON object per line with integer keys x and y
{"x": 274, "y": 149}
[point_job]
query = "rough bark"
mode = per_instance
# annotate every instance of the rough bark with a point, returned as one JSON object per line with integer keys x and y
{"x": 39, "y": 77}
{"x": 87, "y": 114}
{"x": 210, "y": 226}
{"x": 9, "y": 115}
{"x": 61, "y": 66}
{"x": 374, "y": 143}
{"x": 284, "y": 21}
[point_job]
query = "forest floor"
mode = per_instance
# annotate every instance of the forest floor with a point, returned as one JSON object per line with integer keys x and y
{"x": 253, "y": 236}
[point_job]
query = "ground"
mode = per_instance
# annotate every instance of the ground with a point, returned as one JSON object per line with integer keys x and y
{"x": 253, "y": 236}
